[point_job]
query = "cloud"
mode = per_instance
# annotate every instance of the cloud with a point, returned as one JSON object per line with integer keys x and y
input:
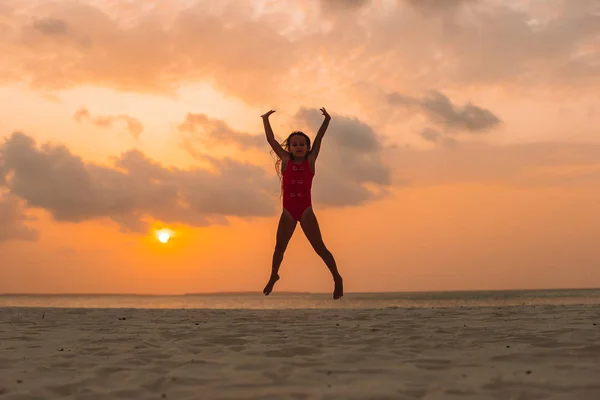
{"x": 468, "y": 117}
{"x": 72, "y": 190}
{"x": 434, "y": 7}
{"x": 431, "y": 135}
{"x": 450, "y": 118}
{"x": 134, "y": 126}
{"x": 526, "y": 46}
{"x": 51, "y": 26}
{"x": 343, "y": 5}
{"x": 212, "y": 132}
{"x": 439, "y": 108}
{"x": 47, "y": 31}
{"x": 250, "y": 54}
{"x": 13, "y": 221}
{"x": 89, "y": 46}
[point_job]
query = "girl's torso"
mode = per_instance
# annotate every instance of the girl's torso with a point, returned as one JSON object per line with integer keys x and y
{"x": 297, "y": 181}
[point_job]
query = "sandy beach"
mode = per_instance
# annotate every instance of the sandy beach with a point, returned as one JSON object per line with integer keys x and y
{"x": 531, "y": 352}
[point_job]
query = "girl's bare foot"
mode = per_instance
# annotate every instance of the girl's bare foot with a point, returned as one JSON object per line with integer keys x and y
{"x": 269, "y": 288}
{"x": 338, "y": 290}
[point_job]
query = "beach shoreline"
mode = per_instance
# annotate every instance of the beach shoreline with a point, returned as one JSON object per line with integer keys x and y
{"x": 547, "y": 351}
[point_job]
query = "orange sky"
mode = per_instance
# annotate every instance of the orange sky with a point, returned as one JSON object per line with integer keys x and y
{"x": 463, "y": 151}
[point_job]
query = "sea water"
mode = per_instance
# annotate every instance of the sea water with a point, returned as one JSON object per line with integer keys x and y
{"x": 282, "y": 300}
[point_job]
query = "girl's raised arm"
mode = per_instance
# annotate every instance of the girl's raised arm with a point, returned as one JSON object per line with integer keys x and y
{"x": 316, "y": 147}
{"x": 271, "y": 136}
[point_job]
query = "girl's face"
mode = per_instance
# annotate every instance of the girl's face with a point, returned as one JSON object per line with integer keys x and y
{"x": 298, "y": 146}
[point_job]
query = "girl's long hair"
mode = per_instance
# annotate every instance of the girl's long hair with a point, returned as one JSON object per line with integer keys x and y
{"x": 286, "y": 146}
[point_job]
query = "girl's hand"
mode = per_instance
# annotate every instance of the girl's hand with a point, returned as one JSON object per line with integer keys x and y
{"x": 325, "y": 113}
{"x": 266, "y": 115}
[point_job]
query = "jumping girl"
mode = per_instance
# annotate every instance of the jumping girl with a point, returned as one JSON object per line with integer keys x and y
{"x": 296, "y": 167}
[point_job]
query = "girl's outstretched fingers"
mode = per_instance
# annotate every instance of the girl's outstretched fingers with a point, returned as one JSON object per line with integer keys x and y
{"x": 266, "y": 115}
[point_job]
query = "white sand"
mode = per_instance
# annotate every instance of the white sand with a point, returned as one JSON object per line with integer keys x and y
{"x": 543, "y": 352}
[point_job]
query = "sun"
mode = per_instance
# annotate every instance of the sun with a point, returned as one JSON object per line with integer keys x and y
{"x": 164, "y": 235}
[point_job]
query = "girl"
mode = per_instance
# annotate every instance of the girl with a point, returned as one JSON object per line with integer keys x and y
{"x": 297, "y": 160}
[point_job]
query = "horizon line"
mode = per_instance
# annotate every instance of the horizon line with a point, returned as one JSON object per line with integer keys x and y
{"x": 295, "y": 292}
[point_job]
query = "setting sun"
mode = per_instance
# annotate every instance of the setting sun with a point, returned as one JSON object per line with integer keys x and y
{"x": 164, "y": 235}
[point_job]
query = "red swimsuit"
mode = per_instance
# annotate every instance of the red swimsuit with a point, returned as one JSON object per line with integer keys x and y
{"x": 296, "y": 184}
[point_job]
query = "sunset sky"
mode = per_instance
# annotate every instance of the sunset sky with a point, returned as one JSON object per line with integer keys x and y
{"x": 463, "y": 151}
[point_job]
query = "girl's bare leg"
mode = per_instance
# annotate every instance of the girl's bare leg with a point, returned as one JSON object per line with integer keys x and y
{"x": 285, "y": 230}
{"x": 311, "y": 229}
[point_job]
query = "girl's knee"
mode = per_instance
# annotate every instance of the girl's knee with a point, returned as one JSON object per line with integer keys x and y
{"x": 322, "y": 250}
{"x": 280, "y": 248}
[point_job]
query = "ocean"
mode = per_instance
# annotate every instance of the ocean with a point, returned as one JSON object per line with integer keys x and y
{"x": 282, "y": 300}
